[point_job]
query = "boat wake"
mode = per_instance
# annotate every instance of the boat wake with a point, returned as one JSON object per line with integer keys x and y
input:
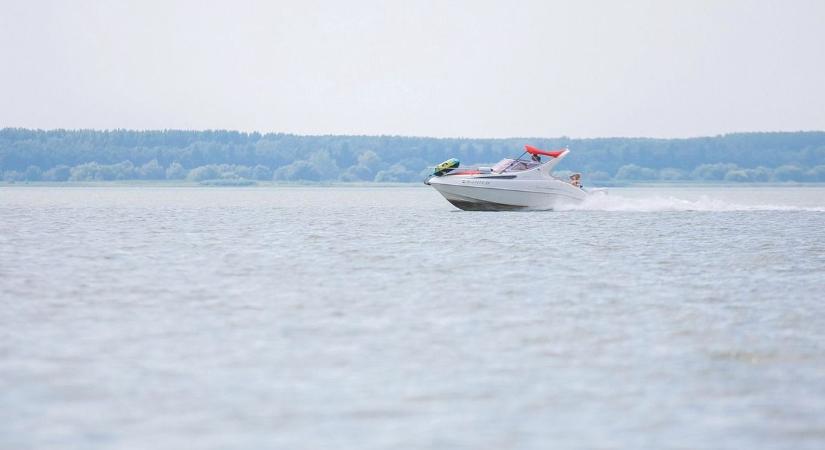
{"x": 669, "y": 203}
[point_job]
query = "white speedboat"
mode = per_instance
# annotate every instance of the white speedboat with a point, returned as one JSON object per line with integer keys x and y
{"x": 511, "y": 184}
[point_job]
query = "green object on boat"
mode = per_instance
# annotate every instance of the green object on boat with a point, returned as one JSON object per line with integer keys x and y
{"x": 446, "y": 166}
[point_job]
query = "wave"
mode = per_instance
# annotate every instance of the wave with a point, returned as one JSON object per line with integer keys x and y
{"x": 613, "y": 202}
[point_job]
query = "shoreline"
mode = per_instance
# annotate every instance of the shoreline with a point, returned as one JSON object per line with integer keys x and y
{"x": 339, "y": 184}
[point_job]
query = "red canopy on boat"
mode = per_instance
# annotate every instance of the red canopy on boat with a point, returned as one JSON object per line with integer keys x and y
{"x": 534, "y": 151}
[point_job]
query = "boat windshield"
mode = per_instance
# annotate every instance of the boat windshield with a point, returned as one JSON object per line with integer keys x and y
{"x": 513, "y": 165}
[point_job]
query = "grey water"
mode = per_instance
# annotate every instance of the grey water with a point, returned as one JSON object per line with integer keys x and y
{"x": 382, "y": 317}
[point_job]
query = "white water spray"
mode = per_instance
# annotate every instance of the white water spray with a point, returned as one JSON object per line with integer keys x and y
{"x": 655, "y": 203}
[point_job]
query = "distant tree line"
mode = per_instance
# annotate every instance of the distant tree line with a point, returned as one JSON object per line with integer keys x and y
{"x": 90, "y": 155}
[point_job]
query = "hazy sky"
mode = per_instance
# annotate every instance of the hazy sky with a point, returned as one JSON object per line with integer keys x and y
{"x": 463, "y": 68}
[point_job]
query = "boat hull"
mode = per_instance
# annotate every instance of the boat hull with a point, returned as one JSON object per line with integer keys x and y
{"x": 491, "y": 194}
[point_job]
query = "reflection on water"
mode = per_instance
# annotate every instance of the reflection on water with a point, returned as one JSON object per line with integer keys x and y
{"x": 377, "y": 317}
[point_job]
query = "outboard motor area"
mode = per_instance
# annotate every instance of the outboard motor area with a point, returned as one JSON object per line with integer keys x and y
{"x": 446, "y": 166}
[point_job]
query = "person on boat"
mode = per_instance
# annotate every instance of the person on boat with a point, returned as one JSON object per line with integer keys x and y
{"x": 576, "y": 180}
{"x": 536, "y": 158}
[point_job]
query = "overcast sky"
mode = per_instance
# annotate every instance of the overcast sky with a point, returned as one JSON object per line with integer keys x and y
{"x": 463, "y": 68}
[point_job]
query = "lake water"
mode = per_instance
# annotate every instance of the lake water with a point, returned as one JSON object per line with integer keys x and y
{"x": 382, "y": 317}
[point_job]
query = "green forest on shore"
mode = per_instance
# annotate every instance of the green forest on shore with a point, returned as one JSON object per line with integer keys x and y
{"x": 230, "y": 157}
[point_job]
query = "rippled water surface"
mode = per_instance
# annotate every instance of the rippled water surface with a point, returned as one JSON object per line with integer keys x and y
{"x": 381, "y": 317}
